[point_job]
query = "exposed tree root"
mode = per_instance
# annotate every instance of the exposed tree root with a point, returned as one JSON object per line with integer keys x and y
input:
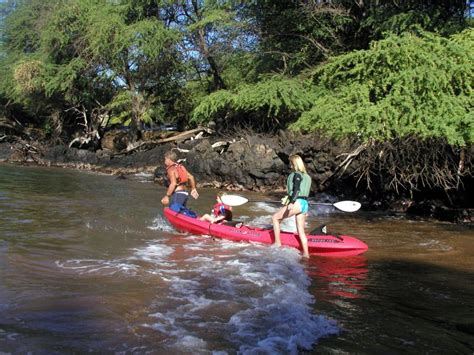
{"x": 411, "y": 164}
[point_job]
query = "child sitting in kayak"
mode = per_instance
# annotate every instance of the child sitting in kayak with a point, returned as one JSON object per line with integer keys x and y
{"x": 220, "y": 212}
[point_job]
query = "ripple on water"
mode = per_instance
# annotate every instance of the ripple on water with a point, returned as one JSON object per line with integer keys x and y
{"x": 223, "y": 296}
{"x": 98, "y": 267}
{"x": 434, "y": 245}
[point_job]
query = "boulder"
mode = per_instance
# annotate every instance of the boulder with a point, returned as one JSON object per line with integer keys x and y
{"x": 115, "y": 140}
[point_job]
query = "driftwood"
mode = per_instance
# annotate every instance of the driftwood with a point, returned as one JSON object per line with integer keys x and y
{"x": 223, "y": 145}
{"x": 182, "y": 150}
{"x": 12, "y": 126}
{"x": 191, "y": 134}
{"x": 91, "y": 133}
{"x": 220, "y": 144}
{"x": 25, "y": 150}
{"x": 86, "y": 139}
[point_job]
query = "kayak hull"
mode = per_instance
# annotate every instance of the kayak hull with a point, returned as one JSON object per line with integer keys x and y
{"x": 321, "y": 245}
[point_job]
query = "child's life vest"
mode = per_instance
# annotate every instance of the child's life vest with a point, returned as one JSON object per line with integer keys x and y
{"x": 182, "y": 173}
{"x": 221, "y": 209}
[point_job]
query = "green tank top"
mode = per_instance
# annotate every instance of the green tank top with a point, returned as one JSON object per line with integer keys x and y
{"x": 305, "y": 185}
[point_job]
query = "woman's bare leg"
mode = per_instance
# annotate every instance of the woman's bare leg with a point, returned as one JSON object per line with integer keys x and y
{"x": 276, "y": 220}
{"x": 300, "y": 224}
{"x": 281, "y": 214}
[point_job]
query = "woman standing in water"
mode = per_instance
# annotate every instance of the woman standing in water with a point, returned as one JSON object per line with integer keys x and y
{"x": 298, "y": 186}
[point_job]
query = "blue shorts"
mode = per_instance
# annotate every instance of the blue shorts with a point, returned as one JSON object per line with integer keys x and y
{"x": 179, "y": 198}
{"x": 304, "y": 207}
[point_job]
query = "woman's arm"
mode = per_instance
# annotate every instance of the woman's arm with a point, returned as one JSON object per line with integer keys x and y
{"x": 297, "y": 178}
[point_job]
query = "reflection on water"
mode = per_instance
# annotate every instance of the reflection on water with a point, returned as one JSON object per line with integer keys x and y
{"x": 339, "y": 277}
{"x": 88, "y": 263}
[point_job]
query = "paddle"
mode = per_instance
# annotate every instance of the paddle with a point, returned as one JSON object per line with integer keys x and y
{"x": 346, "y": 206}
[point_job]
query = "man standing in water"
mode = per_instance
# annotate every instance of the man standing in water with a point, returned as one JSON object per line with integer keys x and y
{"x": 178, "y": 179}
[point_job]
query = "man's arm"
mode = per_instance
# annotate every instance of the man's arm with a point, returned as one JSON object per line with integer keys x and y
{"x": 173, "y": 181}
{"x": 172, "y": 186}
{"x": 192, "y": 182}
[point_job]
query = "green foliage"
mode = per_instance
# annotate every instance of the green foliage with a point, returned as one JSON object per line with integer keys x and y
{"x": 276, "y": 95}
{"x": 23, "y": 26}
{"x": 409, "y": 85}
{"x": 443, "y": 17}
{"x": 271, "y": 98}
{"x": 122, "y": 105}
{"x": 63, "y": 78}
{"x": 295, "y": 35}
{"x": 168, "y": 57}
{"x": 239, "y": 69}
{"x": 213, "y": 17}
{"x": 213, "y": 104}
{"x": 82, "y": 53}
{"x": 118, "y": 44}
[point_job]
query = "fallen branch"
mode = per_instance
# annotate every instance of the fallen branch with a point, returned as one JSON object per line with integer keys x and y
{"x": 12, "y": 125}
{"x": 182, "y": 150}
{"x": 220, "y": 144}
{"x": 27, "y": 150}
{"x": 176, "y": 138}
{"x": 346, "y": 162}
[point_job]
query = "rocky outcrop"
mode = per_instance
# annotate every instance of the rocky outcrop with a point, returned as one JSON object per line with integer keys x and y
{"x": 239, "y": 164}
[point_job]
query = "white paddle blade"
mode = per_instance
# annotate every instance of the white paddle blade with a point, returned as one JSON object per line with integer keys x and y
{"x": 347, "y": 206}
{"x": 234, "y": 200}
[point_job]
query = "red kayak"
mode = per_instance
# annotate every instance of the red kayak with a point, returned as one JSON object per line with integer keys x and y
{"x": 322, "y": 244}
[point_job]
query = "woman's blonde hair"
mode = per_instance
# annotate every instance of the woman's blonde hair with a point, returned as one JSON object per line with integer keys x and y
{"x": 297, "y": 163}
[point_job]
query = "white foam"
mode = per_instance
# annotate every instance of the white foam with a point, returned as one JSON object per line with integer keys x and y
{"x": 142, "y": 177}
{"x": 154, "y": 253}
{"x": 280, "y": 322}
{"x": 217, "y": 295}
{"x": 200, "y": 259}
{"x": 97, "y": 266}
{"x": 266, "y": 207}
{"x": 190, "y": 342}
{"x": 289, "y": 224}
{"x": 261, "y": 221}
{"x": 255, "y": 298}
{"x": 161, "y": 224}
{"x": 144, "y": 174}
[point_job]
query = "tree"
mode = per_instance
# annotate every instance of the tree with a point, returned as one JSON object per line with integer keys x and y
{"x": 211, "y": 33}
{"x": 138, "y": 56}
{"x": 267, "y": 105}
{"x": 85, "y": 52}
{"x": 410, "y": 85}
{"x": 295, "y": 35}
{"x": 24, "y": 99}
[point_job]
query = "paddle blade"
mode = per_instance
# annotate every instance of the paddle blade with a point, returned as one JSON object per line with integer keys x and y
{"x": 234, "y": 200}
{"x": 347, "y": 206}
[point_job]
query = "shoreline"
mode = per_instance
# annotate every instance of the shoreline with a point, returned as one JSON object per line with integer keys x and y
{"x": 242, "y": 166}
